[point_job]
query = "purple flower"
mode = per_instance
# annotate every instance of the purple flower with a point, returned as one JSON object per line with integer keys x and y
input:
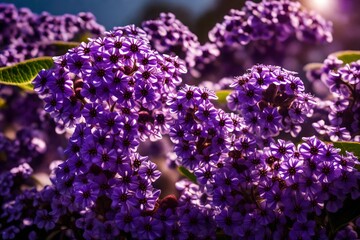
{"x": 10, "y": 232}
{"x": 229, "y": 221}
{"x": 205, "y": 174}
{"x": 110, "y": 122}
{"x": 296, "y": 208}
{"x": 227, "y": 179}
{"x": 78, "y": 64}
{"x": 105, "y": 158}
{"x": 271, "y": 119}
{"x": 148, "y": 74}
{"x": 206, "y": 112}
{"x": 167, "y": 34}
{"x": 42, "y": 80}
{"x": 148, "y": 170}
{"x": 86, "y": 195}
{"x": 62, "y": 85}
{"x": 147, "y": 96}
{"x": 311, "y": 148}
{"x": 148, "y": 228}
{"x": 291, "y": 170}
{"x": 274, "y": 197}
{"x": 133, "y": 47}
{"x": 126, "y": 180}
{"x": 269, "y": 21}
{"x": 298, "y": 112}
{"x": 327, "y": 172}
{"x": 282, "y": 149}
{"x": 245, "y": 145}
{"x": 321, "y": 127}
{"x": 351, "y": 73}
{"x": 309, "y": 184}
{"x": 294, "y": 85}
{"x": 339, "y": 133}
{"x": 127, "y": 220}
{"x": 44, "y": 219}
{"x": 146, "y": 199}
{"x": 346, "y": 233}
{"x": 222, "y": 198}
{"x": 249, "y": 94}
{"x": 334, "y": 203}
{"x": 92, "y": 113}
{"x": 302, "y": 230}
{"x": 123, "y": 198}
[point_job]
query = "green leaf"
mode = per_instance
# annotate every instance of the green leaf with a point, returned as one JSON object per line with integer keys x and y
{"x": 83, "y": 36}
{"x": 186, "y": 173}
{"x": 353, "y": 147}
{"x": 27, "y": 87}
{"x": 347, "y": 56}
{"x": 67, "y": 45}
{"x": 24, "y": 72}
{"x": 61, "y": 47}
{"x": 222, "y": 94}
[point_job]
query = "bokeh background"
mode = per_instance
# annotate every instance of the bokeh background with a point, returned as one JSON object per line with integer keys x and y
{"x": 199, "y": 15}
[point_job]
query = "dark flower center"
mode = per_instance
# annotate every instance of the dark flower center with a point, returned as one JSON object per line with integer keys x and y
{"x": 189, "y": 95}
{"x": 134, "y": 48}
{"x": 114, "y": 58}
{"x": 269, "y": 118}
{"x": 314, "y": 150}
{"x": 118, "y": 44}
{"x": 100, "y": 73}
{"x": 292, "y": 171}
{"x": 146, "y": 75}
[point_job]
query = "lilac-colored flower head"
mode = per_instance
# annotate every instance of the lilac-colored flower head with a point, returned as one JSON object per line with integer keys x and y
{"x": 342, "y": 108}
{"x": 26, "y": 35}
{"x": 270, "y": 20}
{"x": 115, "y": 92}
{"x": 119, "y": 74}
{"x": 271, "y": 99}
{"x": 257, "y": 33}
{"x": 251, "y": 187}
{"x": 112, "y": 91}
{"x": 168, "y": 35}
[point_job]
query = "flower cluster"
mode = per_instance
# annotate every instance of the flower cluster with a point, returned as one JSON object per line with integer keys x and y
{"x": 270, "y": 20}
{"x": 26, "y": 129}
{"x": 113, "y": 90}
{"x": 25, "y": 150}
{"x": 263, "y": 27}
{"x": 115, "y": 95}
{"x": 258, "y": 33}
{"x": 112, "y": 83}
{"x": 271, "y": 99}
{"x": 19, "y": 158}
{"x": 169, "y": 35}
{"x": 254, "y": 192}
{"x": 17, "y": 154}
{"x": 244, "y": 190}
{"x": 200, "y": 132}
{"x": 25, "y": 35}
{"x": 342, "y": 110}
